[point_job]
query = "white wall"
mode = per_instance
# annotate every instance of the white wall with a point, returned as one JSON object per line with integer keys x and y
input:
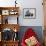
{"x": 27, "y": 4}
{"x": 39, "y": 13}
{"x": 7, "y": 3}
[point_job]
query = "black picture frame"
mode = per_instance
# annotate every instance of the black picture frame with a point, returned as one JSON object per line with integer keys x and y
{"x": 29, "y": 13}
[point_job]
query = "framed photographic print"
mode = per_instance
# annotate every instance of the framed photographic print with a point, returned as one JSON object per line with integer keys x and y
{"x": 13, "y": 12}
{"x": 5, "y": 12}
{"x": 29, "y": 13}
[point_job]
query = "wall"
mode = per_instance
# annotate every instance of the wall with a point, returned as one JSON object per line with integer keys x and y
{"x": 39, "y": 13}
{"x": 27, "y": 4}
{"x": 7, "y": 3}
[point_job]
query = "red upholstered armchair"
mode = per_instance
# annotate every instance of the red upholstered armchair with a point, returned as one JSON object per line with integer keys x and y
{"x": 30, "y": 39}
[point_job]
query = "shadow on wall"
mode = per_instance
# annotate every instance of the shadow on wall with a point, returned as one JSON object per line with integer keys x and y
{"x": 37, "y": 29}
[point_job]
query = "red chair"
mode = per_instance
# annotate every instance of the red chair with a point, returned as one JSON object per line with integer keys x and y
{"x": 29, "y": 33}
